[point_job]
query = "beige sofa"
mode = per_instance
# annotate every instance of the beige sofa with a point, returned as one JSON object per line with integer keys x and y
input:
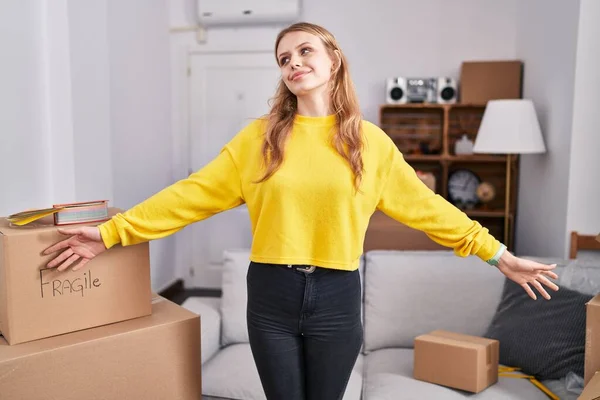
{"x": 405, "y": 294}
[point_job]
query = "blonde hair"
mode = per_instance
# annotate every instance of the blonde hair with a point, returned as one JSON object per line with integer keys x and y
{"x": 347, "y": 139}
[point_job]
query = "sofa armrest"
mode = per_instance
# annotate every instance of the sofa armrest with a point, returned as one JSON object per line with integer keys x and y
{"x": 210, "y": 323}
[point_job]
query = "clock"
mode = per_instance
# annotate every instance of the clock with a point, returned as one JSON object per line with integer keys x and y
{"x": 462, "y": 188}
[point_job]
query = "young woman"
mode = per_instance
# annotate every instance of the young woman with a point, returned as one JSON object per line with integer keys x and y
{"x": 312, "y": 173}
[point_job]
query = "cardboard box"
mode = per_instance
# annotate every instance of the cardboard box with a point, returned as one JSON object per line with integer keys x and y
{"x": 386, "y": 233}
{"x": 481, "y": 81}
{"x": 591, "y": 391}
{"x": 154, "y": 357}
{"x": 455, "y": 360}
{"x": 592, "y": 338}
{"x": 37, "y": 302}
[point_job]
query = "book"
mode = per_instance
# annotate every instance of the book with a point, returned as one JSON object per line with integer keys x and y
{"x": 84, "y": 212}
{"x": 65, "y": 214}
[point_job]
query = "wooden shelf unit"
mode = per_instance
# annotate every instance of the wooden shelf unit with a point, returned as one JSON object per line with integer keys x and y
{"x": 426, "y": 135}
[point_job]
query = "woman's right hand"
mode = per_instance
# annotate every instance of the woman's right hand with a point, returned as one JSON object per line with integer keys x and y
{"x": 84, "y": 243}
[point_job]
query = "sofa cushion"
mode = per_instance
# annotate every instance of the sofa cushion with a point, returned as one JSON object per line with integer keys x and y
{"x": 581, "y": 275}
{"x": 210, "y": 323}
{"x": 354, "y": 389}
{"x": 544, "y": 338}
{"x": 389, "y": 372}
{"x": 408, "y": 293}
{"x": 232, "y": 374}
{"x": 235, "y": 295}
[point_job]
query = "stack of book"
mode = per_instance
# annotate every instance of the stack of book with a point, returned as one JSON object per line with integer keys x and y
{"x": 65, "y": 214}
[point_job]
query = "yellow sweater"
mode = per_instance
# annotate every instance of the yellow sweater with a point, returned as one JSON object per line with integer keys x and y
{"x": 307, "y": 212}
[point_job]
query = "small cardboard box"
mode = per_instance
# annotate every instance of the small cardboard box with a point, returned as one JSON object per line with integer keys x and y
{"x": 37, "y": 302}
{"x": 153, "y": 357}
{"x": 592, "y": 338}
{"x": 456, "y": 360}
{"x": 591, "y": 391}
{"x": 481, "y": 81}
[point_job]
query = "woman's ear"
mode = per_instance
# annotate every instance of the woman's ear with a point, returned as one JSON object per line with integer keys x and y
{"x": 337, "y": 61}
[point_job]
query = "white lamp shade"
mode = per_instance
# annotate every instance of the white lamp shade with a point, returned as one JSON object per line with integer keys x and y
{"x": 509, "y": 127}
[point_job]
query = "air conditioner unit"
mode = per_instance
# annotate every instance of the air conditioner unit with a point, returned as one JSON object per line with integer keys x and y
{"x": 247, "y": 12}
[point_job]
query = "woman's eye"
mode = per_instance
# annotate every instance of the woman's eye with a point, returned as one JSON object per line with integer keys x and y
{"x": 283, "y": 61}
{"x": 304, "y": 50}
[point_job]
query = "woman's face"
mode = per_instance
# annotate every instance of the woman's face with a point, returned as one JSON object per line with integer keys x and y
{"x": 304, "y": 62}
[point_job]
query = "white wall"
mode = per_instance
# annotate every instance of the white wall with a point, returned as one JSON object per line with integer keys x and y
{"x": 413, "y": 38}
{"x": 55, "y": 130}
{"x": 85, "y": 105}
{"x": 90, "y": 94}
{"x": 58, "y": 100}
{"x": 23, "y": 144}
{"x": 390, "y": 37}
{"x": 140, "y": 109}
{"x": 583, "y": 211}
{"x": 546, "y": 42}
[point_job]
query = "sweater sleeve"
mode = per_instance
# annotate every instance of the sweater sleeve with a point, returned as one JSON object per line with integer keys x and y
{"x": 213, "y": 189}
{"x": 407, "y": 199}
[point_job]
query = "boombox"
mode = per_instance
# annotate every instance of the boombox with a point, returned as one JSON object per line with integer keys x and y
{"x": 442, "y": 90}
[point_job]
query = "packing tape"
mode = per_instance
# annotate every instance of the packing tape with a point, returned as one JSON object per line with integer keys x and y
{"x": 505, "y": 372}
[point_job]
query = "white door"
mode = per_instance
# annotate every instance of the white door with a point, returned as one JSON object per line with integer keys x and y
{"x": 227, "y": 91}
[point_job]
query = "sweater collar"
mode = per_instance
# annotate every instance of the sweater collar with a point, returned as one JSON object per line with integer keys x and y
{"x": 326, "y": 121}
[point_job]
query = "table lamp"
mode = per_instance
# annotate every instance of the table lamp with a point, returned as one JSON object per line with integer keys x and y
{"x": 509, "y": 127}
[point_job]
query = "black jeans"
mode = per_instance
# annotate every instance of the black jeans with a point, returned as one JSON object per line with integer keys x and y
{"x": 305, "y": 330}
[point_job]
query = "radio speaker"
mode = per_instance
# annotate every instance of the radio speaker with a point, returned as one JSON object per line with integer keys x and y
{"x": 447, "y": 92}
{"x": 396, "y": 91}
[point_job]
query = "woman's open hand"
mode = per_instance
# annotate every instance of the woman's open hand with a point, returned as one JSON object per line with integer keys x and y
{"x": 528, "y": 272}
{"x": 84, "y": 243}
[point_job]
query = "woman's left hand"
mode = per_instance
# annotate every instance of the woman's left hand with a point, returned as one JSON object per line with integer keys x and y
{"x": 528, "y": 272}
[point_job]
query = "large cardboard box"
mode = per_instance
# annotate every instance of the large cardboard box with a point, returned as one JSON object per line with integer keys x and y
{"x": 154, "y": 357}
{"x": 481, "y": 81}
{"x": 456, "y": 360}
{"x": 37, "y": 302}
{"x": 592, "y": 338}
{"x": 591, "y": 391}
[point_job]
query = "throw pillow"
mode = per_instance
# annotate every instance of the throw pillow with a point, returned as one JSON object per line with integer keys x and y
{"x": 544, "y": 338}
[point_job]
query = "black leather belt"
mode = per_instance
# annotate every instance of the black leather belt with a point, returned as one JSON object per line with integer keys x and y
{"x": 307, "y": 269}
